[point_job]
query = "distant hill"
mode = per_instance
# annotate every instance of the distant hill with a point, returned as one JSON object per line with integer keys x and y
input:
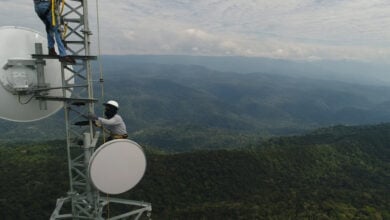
{"x": 186, "y": 100}
{"x": 337, "y": 70}
{"x": 171, "y": 106}
{"x": 339, "y": 172}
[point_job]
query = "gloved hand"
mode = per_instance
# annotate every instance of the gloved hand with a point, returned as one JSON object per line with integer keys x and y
{"x": 92, "y": 117}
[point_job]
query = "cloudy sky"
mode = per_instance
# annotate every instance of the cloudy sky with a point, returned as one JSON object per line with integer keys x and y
{"x": 288, "y": 29}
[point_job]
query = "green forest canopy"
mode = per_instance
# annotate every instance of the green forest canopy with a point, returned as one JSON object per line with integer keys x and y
{"x": 334, "y": 173}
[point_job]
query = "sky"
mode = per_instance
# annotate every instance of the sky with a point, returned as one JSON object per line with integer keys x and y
{"x": 283, "y": 29}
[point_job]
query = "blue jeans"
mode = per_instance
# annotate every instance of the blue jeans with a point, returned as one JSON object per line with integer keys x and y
{"x": 43, "y": 10}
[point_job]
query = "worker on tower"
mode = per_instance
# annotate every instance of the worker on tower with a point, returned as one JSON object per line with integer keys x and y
{"x": 43, "y": 8}
{"x": 112, "y": 123}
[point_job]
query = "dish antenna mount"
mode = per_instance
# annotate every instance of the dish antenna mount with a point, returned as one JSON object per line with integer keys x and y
{"x": 24, "y": 81}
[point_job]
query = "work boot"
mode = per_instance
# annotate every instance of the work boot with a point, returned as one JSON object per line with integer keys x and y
{"x": 52, "y": 52}
{"x": 67, "y": 59}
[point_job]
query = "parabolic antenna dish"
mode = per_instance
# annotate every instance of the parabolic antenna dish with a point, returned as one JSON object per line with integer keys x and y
{"x": 117, "y": 166}
{"x": 18, "y": 73}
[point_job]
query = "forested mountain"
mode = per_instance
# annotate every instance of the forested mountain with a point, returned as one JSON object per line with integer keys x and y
{"x": 338, "y": 172}
{"x": 179, "y": 107}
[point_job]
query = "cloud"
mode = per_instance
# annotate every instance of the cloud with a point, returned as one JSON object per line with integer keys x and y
{"x": 294, "y": 29}
{"x": 18, "y": 13}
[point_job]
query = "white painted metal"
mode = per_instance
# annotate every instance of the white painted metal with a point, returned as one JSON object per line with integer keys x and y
{"x": 117, "y": 166}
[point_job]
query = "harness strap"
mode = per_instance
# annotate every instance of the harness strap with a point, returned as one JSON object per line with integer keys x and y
{"x": 119, "y": 136}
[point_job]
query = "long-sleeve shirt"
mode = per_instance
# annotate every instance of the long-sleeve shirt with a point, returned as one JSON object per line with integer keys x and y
{"x": 114, "y": 125}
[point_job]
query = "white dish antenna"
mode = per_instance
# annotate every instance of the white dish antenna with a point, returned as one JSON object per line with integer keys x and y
{"x": 117, "y": 166}
{"x": 18, "y": 76}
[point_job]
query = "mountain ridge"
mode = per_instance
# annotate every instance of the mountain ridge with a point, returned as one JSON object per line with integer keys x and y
{"x": 341, "y": 70}
{"x": 186, "y": 102}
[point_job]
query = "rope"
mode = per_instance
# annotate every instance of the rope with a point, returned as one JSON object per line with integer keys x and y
{"x": 65, "y": 24}
{"x": 101, "y": 85}
{"x": 62, "y": 7}
{"x": 99, "y": 59}
{"x": 65, "y": 30}
{"x": 53, "y": 17}
{"x": 108, "y": 206}
{"x": 54, "y": 13}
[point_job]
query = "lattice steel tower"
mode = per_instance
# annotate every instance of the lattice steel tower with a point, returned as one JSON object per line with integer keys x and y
{"x": 81, "y": 137}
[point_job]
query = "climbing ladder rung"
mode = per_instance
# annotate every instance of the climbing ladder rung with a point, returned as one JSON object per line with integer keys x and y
{"x": 60, "y": 98}
{"x": 72, "y": 20}
{"x": 82, "y": 123}
{"x": 44, "y": 56}
{"x": 59, "y": 87}
{"x": 74, "y": 42}
{"x": 78, "y": 103}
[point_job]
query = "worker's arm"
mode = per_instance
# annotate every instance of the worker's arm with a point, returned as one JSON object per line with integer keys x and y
{"x": 112, "y": 121}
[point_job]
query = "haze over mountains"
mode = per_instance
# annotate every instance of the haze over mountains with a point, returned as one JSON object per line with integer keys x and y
{"x": 165, "y": 99}
{"x": 338, "y": 70}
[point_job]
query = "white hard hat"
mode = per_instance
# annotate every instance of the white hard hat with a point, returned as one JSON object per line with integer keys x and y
{"x": 112, "y": 103}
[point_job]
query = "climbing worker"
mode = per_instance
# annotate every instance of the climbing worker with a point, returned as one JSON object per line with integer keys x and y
{"x": 112, "y": 123}
{"x": 43, "y": 8}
